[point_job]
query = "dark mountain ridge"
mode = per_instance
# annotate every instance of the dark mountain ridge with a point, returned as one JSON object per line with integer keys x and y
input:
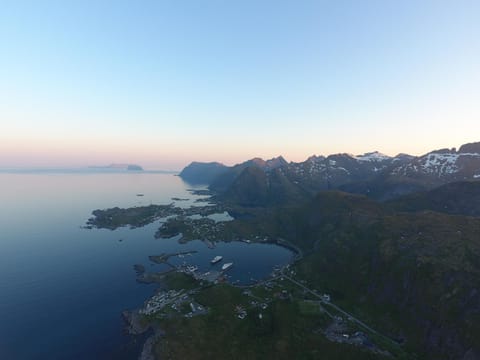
{"x": 373, "y": 174}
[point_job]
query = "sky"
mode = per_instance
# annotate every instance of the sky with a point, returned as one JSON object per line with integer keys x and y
{"x": 163, "y": 83}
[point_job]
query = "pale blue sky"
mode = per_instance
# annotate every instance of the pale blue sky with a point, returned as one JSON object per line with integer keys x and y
{"x": 162, "y": 83}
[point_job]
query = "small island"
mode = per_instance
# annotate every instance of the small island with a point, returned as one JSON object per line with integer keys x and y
{"x": 133, "y": 167}
{"x": 138, "y": 216}
{"x": 128, "y": 167}
{"x": 134, "y": 217}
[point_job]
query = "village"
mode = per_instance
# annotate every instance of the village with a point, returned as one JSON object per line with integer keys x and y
{"x": 255, "y": 300}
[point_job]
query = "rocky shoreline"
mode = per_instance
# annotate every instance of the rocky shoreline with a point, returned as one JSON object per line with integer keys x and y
{"x": 136, "y": 326}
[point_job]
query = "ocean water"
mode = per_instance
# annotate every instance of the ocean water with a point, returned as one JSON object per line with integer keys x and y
{"x": 63, "y": 287}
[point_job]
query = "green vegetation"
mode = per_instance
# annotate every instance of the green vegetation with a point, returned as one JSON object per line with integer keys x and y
{"x": 459, "y": 198}
{"x": 309, "y": 307}
{"x": 280, "y": 331}
{"x": 178, "y": 281}
{"x": 134, "y": 217}
{"x": 254, "y": 187}
{"x": 192, "y": 229}
{"x": 409, "y": 275}
{"x": 139, "y": 216}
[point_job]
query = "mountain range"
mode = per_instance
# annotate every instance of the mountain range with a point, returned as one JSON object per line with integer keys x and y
{"x": 394, "y": 239}
{"x": 376, "y": 175}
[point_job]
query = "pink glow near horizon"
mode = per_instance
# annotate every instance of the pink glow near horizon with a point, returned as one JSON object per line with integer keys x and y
{"x": 175, "y": 156}
{"x": 163, "y": 85}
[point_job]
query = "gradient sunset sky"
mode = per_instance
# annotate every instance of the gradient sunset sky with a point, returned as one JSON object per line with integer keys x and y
{"x": 162, "y": 83}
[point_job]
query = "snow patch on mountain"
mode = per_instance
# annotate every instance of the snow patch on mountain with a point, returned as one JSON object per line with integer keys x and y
{"x": 441, "y": 163}
{"x": 343, "y": 169}
{"x": 438, "y": 163}
{"x": 372, "y": 156}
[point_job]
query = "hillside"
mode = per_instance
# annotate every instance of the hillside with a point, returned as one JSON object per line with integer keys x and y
{"x": 414, "y": 275}
{"x": 255, "y": 187}
{"x": 458, "y": 198}
{"x": 222, "y": 182}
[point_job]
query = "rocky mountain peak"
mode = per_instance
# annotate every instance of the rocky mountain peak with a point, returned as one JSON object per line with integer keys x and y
{"x": 276, "y": 162}
{"x": 472, "y": 148}
{"x": 315, "y": 158}
{"x": 373, "y": 156}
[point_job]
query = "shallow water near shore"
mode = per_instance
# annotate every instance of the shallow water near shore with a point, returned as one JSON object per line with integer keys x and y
{"x": 63, "y": 287}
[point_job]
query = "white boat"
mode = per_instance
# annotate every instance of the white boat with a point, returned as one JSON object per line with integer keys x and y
{"x": 192, "y": 268}
{"x": 216, "y": 259}
{"x": 226, "y": 266}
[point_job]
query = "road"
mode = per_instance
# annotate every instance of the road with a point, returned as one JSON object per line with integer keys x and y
{"x": 349, "y": 316}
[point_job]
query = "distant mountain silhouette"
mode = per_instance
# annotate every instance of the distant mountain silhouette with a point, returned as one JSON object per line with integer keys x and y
{"x": 129, "y": 167}
{"x": 373, "y": 174}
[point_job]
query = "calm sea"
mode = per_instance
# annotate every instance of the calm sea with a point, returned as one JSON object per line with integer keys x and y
{"x": 62, "y": 287}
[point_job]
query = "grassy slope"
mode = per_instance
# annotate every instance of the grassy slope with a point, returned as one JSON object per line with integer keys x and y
{"x": 284, "y": 332}
{"x": 460, "y": 198}
{"x": 415, "y": 275}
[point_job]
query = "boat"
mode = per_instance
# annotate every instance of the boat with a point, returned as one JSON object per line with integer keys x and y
{"x": 192, "y": 268}
{"x": 216, "y": 259}
{"x": 227, "y": 266}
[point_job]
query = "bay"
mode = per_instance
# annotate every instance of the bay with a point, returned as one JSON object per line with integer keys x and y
{"x": 63, "y": 287}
